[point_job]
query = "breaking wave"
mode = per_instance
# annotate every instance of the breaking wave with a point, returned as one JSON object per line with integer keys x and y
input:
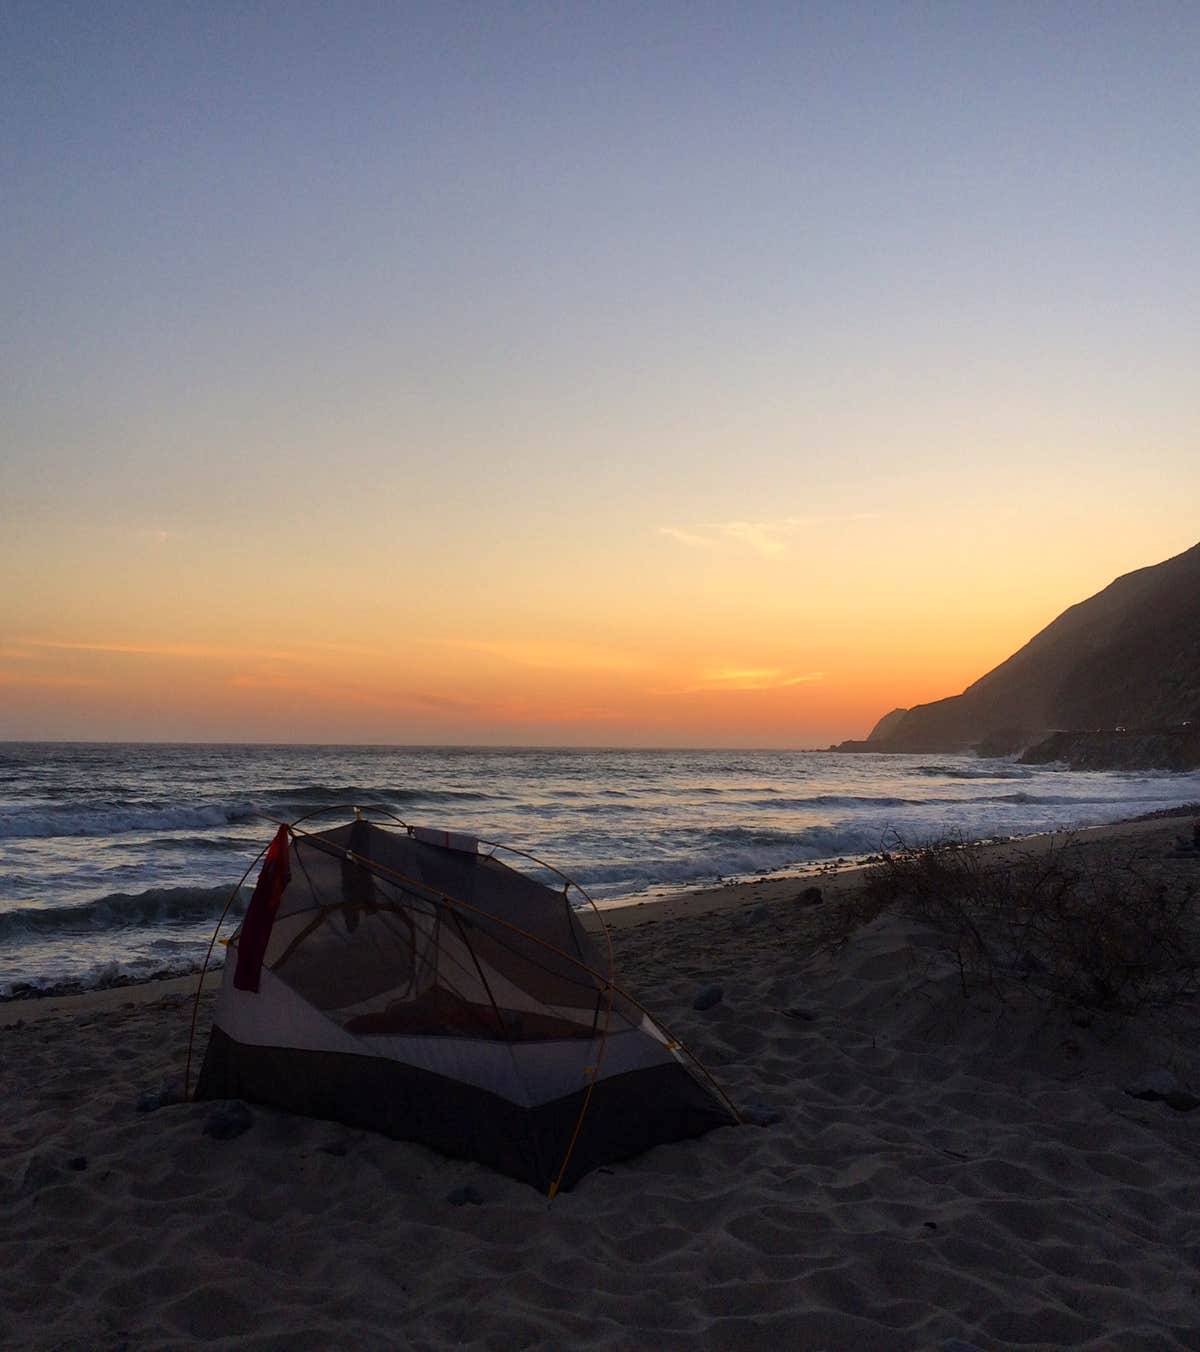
{"x": 45, "y": 822}
{"x": 1003, "y": 770}
{"x": 839, "y": 800}
{"x": 320, "y": 794}
{"x": 123, "y": 910}
{"x": 109, "y": 972}
{"x": 729, "y": 852}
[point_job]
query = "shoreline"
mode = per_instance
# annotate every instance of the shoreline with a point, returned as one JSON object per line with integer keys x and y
{"x": 836, "y": 881}
{"x": 839, "y": 879}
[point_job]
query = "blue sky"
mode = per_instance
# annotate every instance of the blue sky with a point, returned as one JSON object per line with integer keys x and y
{"x": 479, "y": 276}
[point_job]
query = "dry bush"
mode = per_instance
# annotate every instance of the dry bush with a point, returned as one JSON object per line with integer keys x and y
{"x": 840, "y": 919}
{"x": 1093, "y": 928}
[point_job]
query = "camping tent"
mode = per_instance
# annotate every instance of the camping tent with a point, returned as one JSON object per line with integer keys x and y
{"x": 407, "y": 981}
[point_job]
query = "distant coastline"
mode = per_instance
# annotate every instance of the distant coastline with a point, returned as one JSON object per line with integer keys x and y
{"x": 1174, "y": 748}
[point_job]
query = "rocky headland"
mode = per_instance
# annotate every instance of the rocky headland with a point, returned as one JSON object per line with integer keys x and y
{"x": 1176, "y": 748}
{"x": 1112, "y": 683}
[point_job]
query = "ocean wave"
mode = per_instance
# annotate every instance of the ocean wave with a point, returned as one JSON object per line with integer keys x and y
{"x": 1005, "y": 771}
{"x": 87, "y": 820}
{"x": 1057, "y": 800}
{"x": 728, "y": 852}
{"x": 839, "y": 800}
{"x": 178, "y": 821}
{"x": 302, "y": 797}
{"x": 123, "y": 910}
{"x": 220, "y": 843}
{"x": 92, "y": 819}
{"x": 109, "y": 973}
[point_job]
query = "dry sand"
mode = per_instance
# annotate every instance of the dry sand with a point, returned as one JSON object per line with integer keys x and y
{"x": 945, "y": 1172}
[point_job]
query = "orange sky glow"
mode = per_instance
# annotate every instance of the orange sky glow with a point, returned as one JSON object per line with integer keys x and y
{"x": 588, "y": 375}
{"x": 747, "y": 648}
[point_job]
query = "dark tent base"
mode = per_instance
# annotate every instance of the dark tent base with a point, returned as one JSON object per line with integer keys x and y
{"x": 628, "y": 1113}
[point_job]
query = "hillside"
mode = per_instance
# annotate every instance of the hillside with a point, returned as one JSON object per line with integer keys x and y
{"x": 1127, "y": 657}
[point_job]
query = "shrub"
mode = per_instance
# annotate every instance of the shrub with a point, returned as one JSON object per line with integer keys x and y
{"x": 1098, "y": 928}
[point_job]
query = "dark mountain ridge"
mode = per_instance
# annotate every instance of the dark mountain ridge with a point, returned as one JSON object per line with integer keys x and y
{"x": 1128, "y": 657}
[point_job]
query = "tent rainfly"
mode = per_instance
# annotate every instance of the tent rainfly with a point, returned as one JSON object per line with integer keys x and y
{"x": 408, "y": 982}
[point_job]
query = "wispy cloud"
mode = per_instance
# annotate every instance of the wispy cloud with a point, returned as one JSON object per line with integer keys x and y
{"x": 769, "y": 539}
{"x": 690, "y": 537}
{"x": 750, "y": 678}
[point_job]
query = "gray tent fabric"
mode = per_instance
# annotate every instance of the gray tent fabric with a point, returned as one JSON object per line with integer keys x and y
{"x": 436, "y": 994}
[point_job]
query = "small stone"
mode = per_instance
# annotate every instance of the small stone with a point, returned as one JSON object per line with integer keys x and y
{"x": 708, "y": 996}
{"x": 150, "y": 1100}
{"x": 761, "y": 1115}
{"x": 78, "y": 1163}
{"x": 800, "y": 1015}
{"x": 1182, "y": 1102}
{"x": 465, "y": 1196}
{"x": 755, "y": 916}
{"x": 810, "y": 896}
{"x": 228, "y": 1120}
{"x": 1163, "y": 1086}
{"x": 1155, "y": 1084}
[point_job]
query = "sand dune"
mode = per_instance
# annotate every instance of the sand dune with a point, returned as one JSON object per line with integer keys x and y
{"x": 943, "y": 1172}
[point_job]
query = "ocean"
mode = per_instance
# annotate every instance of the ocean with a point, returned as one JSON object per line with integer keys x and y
{"x": 116, "y": 860}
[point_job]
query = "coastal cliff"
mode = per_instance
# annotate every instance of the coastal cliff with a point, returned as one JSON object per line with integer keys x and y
{"x": 1126, "y": 658}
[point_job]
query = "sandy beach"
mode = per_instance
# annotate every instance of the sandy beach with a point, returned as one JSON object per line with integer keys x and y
{"x": 934, "y": 1170}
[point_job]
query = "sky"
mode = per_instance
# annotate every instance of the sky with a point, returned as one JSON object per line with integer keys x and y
{"x": 579, "y": 374}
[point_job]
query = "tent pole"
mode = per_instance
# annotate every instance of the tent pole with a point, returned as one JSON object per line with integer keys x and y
{"x": 212, "y": 943}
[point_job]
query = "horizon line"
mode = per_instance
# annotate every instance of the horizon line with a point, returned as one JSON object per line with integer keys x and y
{"x": 393, "y": 746}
